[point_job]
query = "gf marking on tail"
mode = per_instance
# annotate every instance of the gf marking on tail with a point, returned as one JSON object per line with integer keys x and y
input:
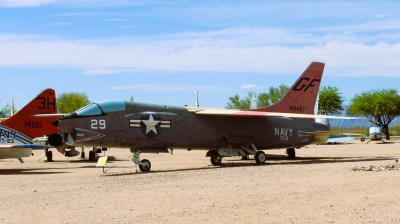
{"x": 305, "y": 83}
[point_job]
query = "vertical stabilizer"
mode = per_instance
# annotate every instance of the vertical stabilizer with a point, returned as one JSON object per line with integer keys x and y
{"x": 302, "y": 96}
{"x": 25, "y": 122}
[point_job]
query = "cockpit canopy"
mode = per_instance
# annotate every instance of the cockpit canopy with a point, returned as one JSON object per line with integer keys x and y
{"x": 97, "y": 109}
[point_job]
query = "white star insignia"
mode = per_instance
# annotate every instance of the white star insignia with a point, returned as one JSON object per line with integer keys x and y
{"x": 151, "y": 124}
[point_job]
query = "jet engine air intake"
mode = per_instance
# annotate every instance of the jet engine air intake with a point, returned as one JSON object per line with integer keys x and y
{"x": 56, "y": 140}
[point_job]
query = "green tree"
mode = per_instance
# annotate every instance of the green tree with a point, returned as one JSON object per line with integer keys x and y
{"x": 276, "y": 93}
{"x": 70, "y": 102}
{"x": 4, "y": 112}
{"x": 380, "y": 106}
{"x": 330, "y": 100}
{"x": 235, "y": 102}
{"x": 7, "y": 111}
{"x": 263, "y": 99}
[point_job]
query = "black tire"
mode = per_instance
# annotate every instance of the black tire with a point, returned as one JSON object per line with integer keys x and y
{"x": 291, "y": 153}
{"x": 98, "y": 150}
{"x": 260, "y": 157}
{"x": 49, "y": 156}
{"x": 246, "y": 157}
{"x": 82, "y": 155}
{"x": 216, "y": 160}
{"x": 145, "y": 166}
{"x": 92, "y": 156}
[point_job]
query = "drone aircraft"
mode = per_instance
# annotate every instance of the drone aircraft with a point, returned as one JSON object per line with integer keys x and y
{"x": 17, "y": 131}
{"x": 149, "y": 128}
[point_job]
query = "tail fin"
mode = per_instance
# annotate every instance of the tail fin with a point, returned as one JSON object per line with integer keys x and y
{"x": 302, "y": 96}
{"x": 25, "y": 122}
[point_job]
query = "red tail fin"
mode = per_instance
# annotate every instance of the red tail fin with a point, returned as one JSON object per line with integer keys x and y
{"x": 25, "y": 122}
{"x": 302, "y": 95}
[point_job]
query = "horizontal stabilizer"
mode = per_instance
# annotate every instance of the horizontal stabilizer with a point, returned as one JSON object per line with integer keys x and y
{"x": 23, "y": 146}
{"x": 51, "y": 115}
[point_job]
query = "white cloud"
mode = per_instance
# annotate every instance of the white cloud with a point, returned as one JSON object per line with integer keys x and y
{"x": 252, "y": 86}
{"x": 71, "y": 3}
{"x": 59, "y": 24}
{"x": 77, "y": 14}
{"x": 230, "y": 50}
{"x": 100, "y": 72}
{"x": 25, "y": 3}
{"x": 165, "y": 87}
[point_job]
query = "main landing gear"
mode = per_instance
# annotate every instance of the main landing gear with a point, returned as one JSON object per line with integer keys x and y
{"x": 216, "y": 155}
{"x": 93, "y": 154}
{"x": 144, "y": 164}
{"x": 291, "y": 153}
{"x": 49, "y": 155}
{"x": 82, "y": 153}
{"x": 216, "y": 160}
{"x": 260, "y": 157}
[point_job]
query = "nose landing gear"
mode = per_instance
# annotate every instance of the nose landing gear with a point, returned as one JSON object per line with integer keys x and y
{"x": 144, "y": 164}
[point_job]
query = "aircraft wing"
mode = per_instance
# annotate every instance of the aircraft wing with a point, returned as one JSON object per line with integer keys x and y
{"x": 340, "y": 140}
{"x": 338, "y": 133}
{"x": 245, "y": 113}
{"x": 23, "y": 146}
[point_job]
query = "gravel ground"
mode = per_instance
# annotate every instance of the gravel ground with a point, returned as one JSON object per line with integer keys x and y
{"x": 318, "y": 187}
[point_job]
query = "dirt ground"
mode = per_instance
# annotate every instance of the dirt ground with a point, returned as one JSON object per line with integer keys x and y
{"x": 318, "y": 187}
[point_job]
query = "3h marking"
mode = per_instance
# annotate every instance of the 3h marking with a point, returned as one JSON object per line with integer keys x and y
{"x": 46, "y": 103}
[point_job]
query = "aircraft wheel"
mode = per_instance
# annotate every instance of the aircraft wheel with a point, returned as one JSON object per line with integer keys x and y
{"x": 145, "y": 165}
{"x": 216, "y": 160}
{"x": 49, "y": 156}
{"x": 92, "y": 156}
{"x": 291, "y": 152}
{"x": 82, "y": 155}
{"x": 260, "y": 157}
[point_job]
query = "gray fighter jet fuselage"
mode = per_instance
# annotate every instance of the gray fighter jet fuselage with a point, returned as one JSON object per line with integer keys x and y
{"x": 152, "y": 127}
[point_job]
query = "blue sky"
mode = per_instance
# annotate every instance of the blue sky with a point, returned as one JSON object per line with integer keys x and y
{"x": 162, "y": 51}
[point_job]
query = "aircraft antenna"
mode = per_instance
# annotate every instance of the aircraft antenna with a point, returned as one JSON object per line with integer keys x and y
{"x": 12, "y": 110}
{"x": 196, "y": 93}
{"x": 253, "y": 102}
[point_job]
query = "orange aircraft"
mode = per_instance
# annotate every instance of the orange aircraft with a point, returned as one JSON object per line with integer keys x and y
{"x": 18, "y": 131}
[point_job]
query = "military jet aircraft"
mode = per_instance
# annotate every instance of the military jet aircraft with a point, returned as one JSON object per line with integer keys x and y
{"x": 20, "y": 133}
{"x": 17, "y": 131}
{"x": 149, "y": 128}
